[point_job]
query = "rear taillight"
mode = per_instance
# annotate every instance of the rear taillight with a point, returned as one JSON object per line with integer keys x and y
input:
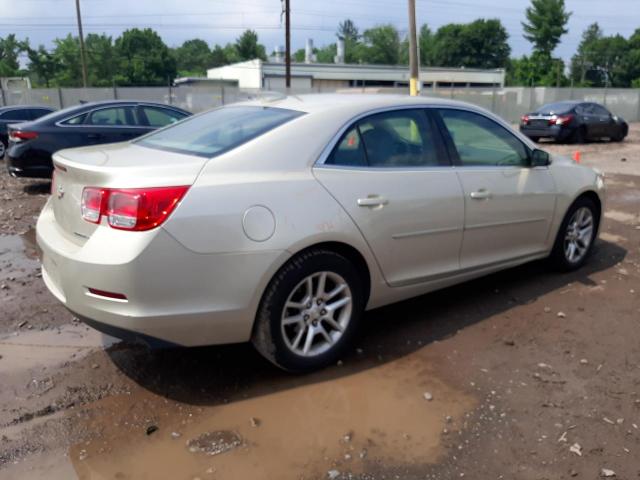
{"x": 18, "y": 136}
{"x": 135, "y": 209}
{"x": 525, "y": 119}
{"x": 92, "y": 204}
{"x": 563, "y": 119}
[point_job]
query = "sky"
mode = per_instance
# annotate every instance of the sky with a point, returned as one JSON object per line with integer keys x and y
{"x": 220, "y": 21}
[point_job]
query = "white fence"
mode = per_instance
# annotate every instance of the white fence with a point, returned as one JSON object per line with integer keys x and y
{"x": 510, "y": 103}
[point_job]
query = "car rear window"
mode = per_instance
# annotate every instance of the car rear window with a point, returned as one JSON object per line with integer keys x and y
{"x": 219, "y": 130}
{"x": 556, "y": 108}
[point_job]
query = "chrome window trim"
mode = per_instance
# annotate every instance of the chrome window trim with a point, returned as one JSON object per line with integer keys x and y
{"x": 326, "y": 151}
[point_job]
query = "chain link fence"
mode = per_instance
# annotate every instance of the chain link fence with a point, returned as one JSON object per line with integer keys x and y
{"x": 510, "y": 103}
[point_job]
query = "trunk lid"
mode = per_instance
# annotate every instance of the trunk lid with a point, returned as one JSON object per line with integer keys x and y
{"x": 121, "y": 165}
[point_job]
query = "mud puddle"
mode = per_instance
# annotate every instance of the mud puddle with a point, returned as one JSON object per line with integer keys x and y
{"x": 350, "y": 424}
{"x": 48, "y": 349}
{"x": 18, "y": 256}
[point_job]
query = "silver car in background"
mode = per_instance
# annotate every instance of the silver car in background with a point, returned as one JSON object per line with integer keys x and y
{"x": 281, "y": 221}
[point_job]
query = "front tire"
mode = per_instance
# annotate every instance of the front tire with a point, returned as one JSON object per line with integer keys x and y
{"x": 576, "y": 235}
{"x": 310, "y": 311}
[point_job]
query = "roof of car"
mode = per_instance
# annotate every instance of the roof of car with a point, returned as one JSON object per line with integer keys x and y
{"x": 25, "y": 107}
{"x": 318, "y": 102}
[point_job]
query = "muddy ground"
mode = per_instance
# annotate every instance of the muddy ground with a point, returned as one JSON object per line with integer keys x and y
{"x": 530, "y": 375}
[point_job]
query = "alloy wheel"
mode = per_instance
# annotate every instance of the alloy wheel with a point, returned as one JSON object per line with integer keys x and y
{"x": 316, "y": 314}
{"x": 579, "y": 235}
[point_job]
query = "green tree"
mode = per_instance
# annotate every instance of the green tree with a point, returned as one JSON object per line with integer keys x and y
{"x": 101, "y": 60}
{"x": 326, "y": 54}
{"x": 479, "y": 44}
{"x": 66, "y": 55}
{"x": 426, "y": 44}
{"x": 582, "y": 61}
{"x": 219, "y": 57}
{"x": 546, "y": 23}
{"x": 143, "y": 59}
{"x": 42, "y": 65}
{"x": 350, "y": 35}
{"x": 381, "y": 46}
{"x": 193, "y": 57}
{"x": 10, "y": 50}
{"x": 248, "y": 48}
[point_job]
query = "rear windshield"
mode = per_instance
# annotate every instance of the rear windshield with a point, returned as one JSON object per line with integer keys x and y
{"x": 218, "y": 131}
{"x": 556, "y": 108}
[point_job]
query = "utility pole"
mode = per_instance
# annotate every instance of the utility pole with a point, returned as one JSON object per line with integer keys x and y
{"x": 413, "y": 50}
{"x": 287, "y": 48}
{"x": 83, "y": 54}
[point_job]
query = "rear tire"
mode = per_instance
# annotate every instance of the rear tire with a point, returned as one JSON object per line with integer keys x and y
{"x": 3, "y": 149}
{"x": 580, "y": 135}
{"x": 576, "y": 236}
{"x": 535, "y": 139}
{"x": 310, "y": 311}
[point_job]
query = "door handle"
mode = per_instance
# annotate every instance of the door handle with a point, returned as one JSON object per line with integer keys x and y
{"x": 94, "y": 136}
{"x": 372, "y": 201}
{"x": 481, "y": 194}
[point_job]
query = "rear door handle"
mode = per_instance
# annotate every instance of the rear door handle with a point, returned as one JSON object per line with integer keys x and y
{"x": 94, "y": 136}
{"x": 481, "y": 194}
{"x": 372, "y": 201}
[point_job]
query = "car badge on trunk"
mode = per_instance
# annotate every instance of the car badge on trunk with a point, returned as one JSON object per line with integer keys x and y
{"x": 60, "y": 191}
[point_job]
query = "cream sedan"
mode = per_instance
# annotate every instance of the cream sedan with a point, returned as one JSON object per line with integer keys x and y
{"x": 280, "y": 222}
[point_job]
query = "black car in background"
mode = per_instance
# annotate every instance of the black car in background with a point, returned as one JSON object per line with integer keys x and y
{"x": 573, "y": 121}
{"x": 32, "y": 144}
{"x": 18, "y": 114}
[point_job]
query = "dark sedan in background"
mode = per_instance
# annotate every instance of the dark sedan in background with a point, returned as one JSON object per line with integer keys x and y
{"x": 17, "y": 114}
{"x": 573, "y": 121}
{"x": 32, "y": 144}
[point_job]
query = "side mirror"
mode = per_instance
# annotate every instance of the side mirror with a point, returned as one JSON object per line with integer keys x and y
{"x": 540, "y": 158}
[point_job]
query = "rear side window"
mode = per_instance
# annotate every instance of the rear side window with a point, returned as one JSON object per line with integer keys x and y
{"x": 219, "y": 130}
{"x": 16, "y": 115}
{"x": 112, "y": 117}
{"x": 161, "y": 117}
{"x": 481, "y": 142}
{"x": 400, "y": 138}
{"x": 349, "y": 152}
{"x": 77, "y": 120}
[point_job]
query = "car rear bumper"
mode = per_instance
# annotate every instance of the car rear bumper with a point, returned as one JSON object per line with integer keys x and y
{"x": 172, "y": 294}
{"x": 21, "y": 165}
{"x": 553, "y": 131}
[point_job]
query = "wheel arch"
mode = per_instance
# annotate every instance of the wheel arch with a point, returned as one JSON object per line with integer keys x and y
{"x": 351, "y": 253}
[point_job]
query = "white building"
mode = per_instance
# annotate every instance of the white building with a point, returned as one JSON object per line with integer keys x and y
{"x": 255, "y": 74}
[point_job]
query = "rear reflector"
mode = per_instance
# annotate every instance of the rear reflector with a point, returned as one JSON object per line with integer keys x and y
{"x": 18, "y": 136}
{"x": 135, "y": 209}
{"x": 104, "y": 293}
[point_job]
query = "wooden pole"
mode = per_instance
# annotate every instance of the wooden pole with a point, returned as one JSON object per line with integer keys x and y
{"x": 287, "y": 53}
{"x": 413, "y": 50}
{"x": 83, "y": 53}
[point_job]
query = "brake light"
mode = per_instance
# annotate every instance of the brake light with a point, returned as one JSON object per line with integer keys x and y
{"x": 525, "y": 119}
{"x": 563, "y": 119}
{"x": 18, "y": 136}
{"x": 136, "y": 209}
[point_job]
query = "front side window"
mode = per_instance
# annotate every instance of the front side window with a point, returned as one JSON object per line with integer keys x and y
{"x": 161, "y": 117}
{"x": 112, "y": 117}
{"x": 219, "y": 130}
{"x": 481, "y": 142}
{"x": 400, "y": 138}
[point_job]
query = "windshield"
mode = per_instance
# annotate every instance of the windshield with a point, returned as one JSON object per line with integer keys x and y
{"x": 219, "y": 130}
{"x": 556, "y": 108}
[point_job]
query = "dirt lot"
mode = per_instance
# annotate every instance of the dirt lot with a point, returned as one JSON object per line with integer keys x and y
{"x": 531, "y": 375}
